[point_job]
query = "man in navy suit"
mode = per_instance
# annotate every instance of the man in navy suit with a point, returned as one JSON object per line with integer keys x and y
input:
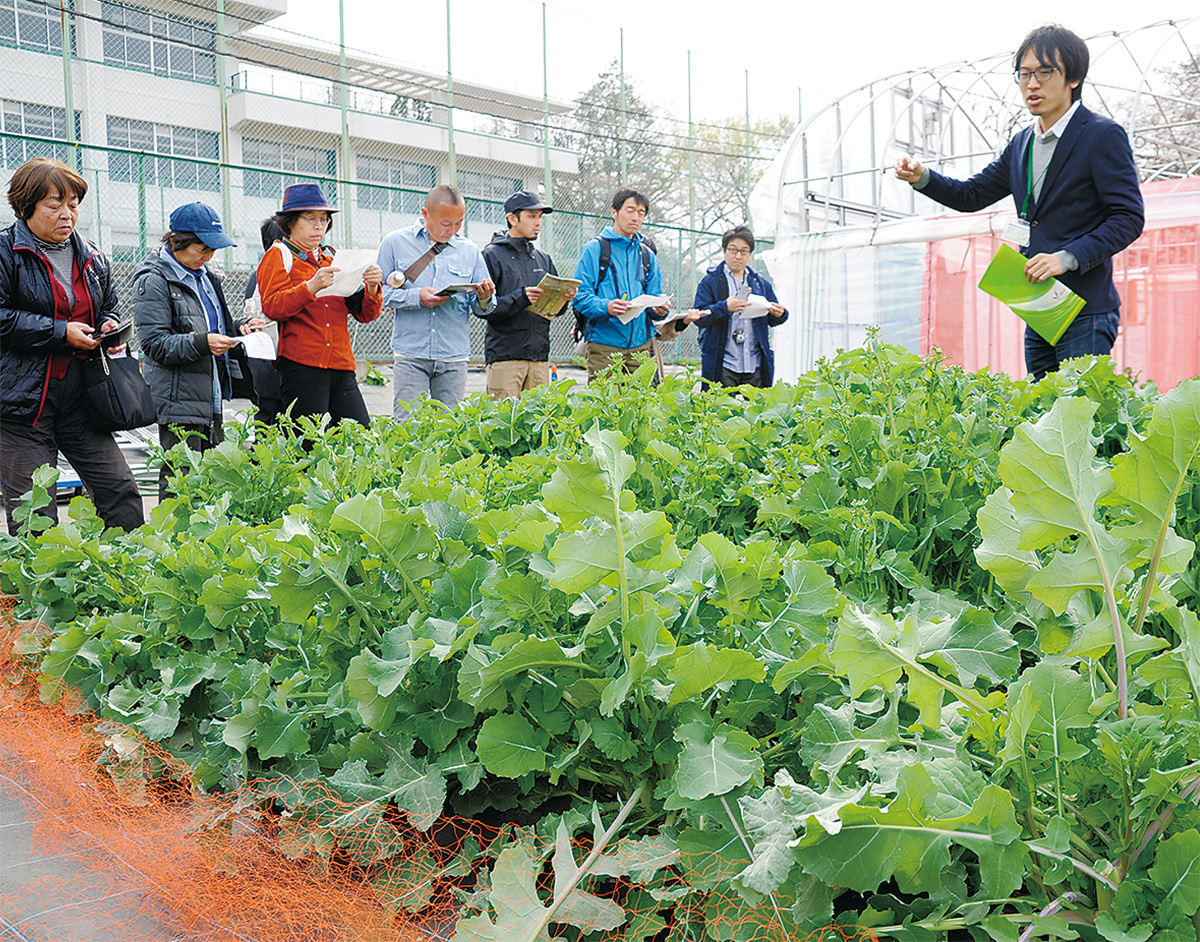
{"x": 1073, "y": 179}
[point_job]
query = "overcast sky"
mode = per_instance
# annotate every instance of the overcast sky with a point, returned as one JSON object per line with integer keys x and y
{"x": 823, "y": 48}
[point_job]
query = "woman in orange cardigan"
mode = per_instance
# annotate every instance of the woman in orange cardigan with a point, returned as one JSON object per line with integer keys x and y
{"x": 315, "y": 361}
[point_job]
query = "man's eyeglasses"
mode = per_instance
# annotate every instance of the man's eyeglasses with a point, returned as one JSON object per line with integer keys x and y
{"x": 1044, "y": 74}
{"x": 730, "y": 250}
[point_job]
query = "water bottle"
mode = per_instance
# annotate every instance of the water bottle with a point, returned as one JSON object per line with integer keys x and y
{"x": 554, "y": 372}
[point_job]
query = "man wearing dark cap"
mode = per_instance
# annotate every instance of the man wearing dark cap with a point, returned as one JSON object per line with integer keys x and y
{"x": 517, "y": 345}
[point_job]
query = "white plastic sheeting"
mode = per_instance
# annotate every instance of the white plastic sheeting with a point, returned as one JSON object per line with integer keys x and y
{"x": 916, "y": 281}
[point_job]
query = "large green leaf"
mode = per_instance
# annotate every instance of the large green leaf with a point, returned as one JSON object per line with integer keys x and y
{"x": 714, "y": 763}
{"x": 772, "y": 831}
{"x": 591, "y": 486}
{"x": 281, "y": 732}
{"x": 587, "y": 557}
{"x": 906, "y": 842}
{"x": 737, "y": 582}
{"x": 698, "y": 667}
{"x": 831, "y": 737}
{"x": 1057, "y": 484}
{"x": 509, "y": 745}
{"x": 514, "y": 900}
{"x": 873, "y": 650}
{"x": 520, "y": 915}
{"x": 1151, "y": 474}
{"x": 1060, "y": 698}
{"x": 1176, "y": 870}
{"x": 417, "y": 786}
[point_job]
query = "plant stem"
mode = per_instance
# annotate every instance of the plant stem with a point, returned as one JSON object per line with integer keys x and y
{"x": 1081, "y": 867}
{"x": 1050, "y": 910}
{"x": 749, "y": 850}
{"x": 561, "y": 893}
{"x": 1163, "y": 820}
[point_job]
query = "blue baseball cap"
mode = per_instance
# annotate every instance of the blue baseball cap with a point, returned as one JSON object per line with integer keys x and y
{"x": 201, "y": 220}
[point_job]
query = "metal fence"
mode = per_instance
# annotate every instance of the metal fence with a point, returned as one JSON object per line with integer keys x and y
{"x": 161, "y": 102}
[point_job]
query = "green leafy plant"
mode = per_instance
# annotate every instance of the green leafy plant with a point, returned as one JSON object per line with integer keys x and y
{"x": 897, "y": 645}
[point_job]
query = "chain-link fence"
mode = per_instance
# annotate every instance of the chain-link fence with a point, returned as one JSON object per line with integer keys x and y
{"x": 171, "y": 101}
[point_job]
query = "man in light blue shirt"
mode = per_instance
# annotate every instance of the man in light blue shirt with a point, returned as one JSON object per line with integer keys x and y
{"x": 431, "y": 335}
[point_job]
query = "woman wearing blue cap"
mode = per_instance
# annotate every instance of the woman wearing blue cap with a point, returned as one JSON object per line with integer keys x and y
{"x": 187, "y": 334}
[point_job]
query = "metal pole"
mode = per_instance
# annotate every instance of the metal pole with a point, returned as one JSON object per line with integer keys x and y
{"x": 223, "y": 153}
{"x": 141, "y": 205}
{"x": 624, "y": 160}
{"x": 747, "y": 147}
{"x": 68, "y": 81}
{"x": 347, "y": 200}
{"x": 691, "y": 179}
{"x": 453, "y": 172}
{"x": 547, "y": 175}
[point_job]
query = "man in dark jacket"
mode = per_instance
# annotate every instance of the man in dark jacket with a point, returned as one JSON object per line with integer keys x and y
{"x": 1074, "y": 184}
{"x": 735, "y": 349}
{"x": 517, "y": 345}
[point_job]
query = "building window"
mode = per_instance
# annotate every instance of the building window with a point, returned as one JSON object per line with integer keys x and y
{"x": 485, "y": 194}
{"x": 165, "y": 45}
{"x": 18, "y": 117}
{"x": 300, "y": 165}
{"x": 407, "y": 183}
{"x": 169, "y": 141}
{"x": 489, "y": 186}
{"x": 28, "y": 24}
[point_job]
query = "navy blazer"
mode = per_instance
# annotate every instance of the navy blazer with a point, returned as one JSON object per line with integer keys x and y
{"x": 1090, "y": 205}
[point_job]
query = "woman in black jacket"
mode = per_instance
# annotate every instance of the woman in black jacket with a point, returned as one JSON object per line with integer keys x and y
{"x": 187, "y": 333}
{"x": 56, "y": 294}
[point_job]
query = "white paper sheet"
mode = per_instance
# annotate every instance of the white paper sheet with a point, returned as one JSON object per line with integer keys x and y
{"x": 258, "y": 345}
{"x": 640, "y": 303}
{"x": 756, "y": 306}
{"x": 352, "y": 262}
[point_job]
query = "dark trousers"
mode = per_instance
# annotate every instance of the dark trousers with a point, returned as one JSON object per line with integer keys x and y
{"x": 311, "y": 390}
{"x": 266, "y": 391}
{"x": 64, "y": 426}
{"x": 757, "y": 378}
{"x": 198, "y": 438}
{"x": 1088, "y": 334}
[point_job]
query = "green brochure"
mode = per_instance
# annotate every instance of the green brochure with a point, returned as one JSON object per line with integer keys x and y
{"x": 1048, "y": 306}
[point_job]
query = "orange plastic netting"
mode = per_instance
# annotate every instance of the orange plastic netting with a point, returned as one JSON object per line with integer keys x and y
{"x": 140, "y": 856}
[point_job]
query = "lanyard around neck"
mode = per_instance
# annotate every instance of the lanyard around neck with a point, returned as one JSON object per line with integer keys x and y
{"x": 1029, "y": 181}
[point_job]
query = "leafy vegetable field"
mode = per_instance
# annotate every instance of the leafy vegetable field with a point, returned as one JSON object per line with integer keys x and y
{"x": 897, "y": 647}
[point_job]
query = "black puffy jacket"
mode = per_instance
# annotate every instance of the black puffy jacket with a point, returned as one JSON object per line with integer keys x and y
{"x": 172, "y": 329}
{"x": 29, "y": 332}
{"x": 513, "y": 331}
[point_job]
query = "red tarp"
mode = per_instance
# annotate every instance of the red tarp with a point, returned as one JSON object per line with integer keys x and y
{"x": 1158, "y": 278}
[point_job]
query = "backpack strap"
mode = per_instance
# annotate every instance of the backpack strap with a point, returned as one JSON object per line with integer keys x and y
{"x": 605, "y": 263}
{"x": 287, "y": 256}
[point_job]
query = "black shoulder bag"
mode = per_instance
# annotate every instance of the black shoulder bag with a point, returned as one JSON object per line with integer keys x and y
{"x": 117, "y": 396}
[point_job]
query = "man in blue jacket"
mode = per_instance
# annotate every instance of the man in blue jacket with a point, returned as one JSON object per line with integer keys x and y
{"x": 735, "y": 350}
{"x": 1072, "y": 177}
{"x": 603, "y": 296}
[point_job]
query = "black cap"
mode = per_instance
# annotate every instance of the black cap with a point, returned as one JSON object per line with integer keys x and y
{"x": 524, "y": 200}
